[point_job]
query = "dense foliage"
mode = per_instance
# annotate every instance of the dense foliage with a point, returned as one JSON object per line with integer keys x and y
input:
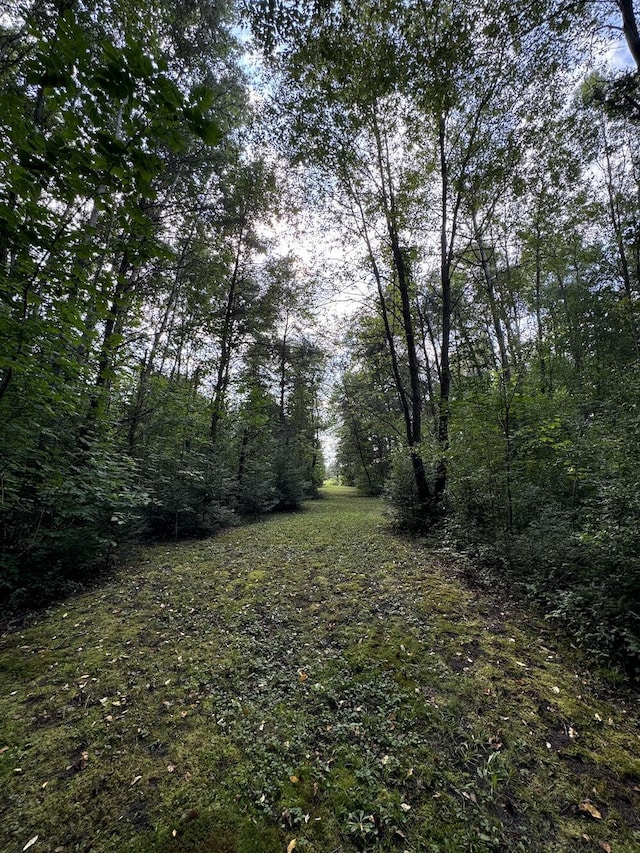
{"x": 153, "y": 376}
{"x": 486, "y": 163}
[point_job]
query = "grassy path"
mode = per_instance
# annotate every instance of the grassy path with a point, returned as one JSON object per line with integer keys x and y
{"x": 310, "y": 679}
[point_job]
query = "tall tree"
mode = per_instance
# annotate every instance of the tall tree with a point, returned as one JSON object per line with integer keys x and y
{"x": 411, "y": 115}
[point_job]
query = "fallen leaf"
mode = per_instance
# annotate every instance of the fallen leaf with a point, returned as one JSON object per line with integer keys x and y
{"x": 555, "y": 690}
{"x": 31, "y": 842}
{"x": 405, "y": 807}
{"x": 294, "y": 779}
{"x": 605, "y": 846}
{"x": 588, "y": 808}
{"x": 171, "y": 768}
{"x": 292, "y": 845}
{"x": 136, "y": 779}
{"x": 302, "y": 676}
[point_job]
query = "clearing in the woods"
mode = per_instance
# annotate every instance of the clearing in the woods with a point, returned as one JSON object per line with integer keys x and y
{"x": 308, "y": 682}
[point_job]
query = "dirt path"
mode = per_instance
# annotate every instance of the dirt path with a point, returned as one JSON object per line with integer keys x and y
{"x": 308, "y": 678}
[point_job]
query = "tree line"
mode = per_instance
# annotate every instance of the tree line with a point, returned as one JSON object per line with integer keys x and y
{"x": 156, "y": 372}
{"x": 483, "y": 159}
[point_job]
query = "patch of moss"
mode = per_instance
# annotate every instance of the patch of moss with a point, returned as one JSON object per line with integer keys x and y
{"x": 212, "y": 832}
{"x": 312, "y": 677}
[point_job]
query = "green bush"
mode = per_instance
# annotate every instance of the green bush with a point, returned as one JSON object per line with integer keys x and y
{"x": 64, "y": 524}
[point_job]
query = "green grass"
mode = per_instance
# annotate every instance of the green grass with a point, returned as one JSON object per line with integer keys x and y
{"x": 308, "y": 677}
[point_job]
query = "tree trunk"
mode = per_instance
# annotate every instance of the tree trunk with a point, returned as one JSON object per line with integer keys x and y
{"x": 618, "y": 232}
{"x": 226, "y": 348}
{"x": 117, "y": 311}
{"x": 445, "y": 286}
{"x": 540, "y": 330}
{"x": 630, "y": 29}
{"x": 356, "y": 436}
{"x": 489, "y": 280}
{"x": 412, "y": 405}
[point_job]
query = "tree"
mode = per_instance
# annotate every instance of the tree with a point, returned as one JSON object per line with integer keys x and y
{"x": 415, "y": 129}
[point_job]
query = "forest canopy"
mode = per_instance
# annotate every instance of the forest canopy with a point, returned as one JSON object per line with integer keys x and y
{"x": 160, "y": 372}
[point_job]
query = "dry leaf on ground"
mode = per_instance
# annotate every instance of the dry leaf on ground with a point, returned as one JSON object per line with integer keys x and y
{"x": 588, "y": 808}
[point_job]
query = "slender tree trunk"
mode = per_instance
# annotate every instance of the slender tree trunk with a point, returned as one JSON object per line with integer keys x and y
{"x": 427, "y": 361}
{"x": 148, "y": 361}
{"x": 356, "y": 437}
{"x": 283, "y": 369}
{"x": 623, "y": 261}
{"x": 413, "y": 405}
{"x": 445, "y": 286}
{"x": 489, "y": 280}
{"x": 226, "y": 347}
{"x": 630, "y": 29}
{"x": 540, "y": 330}
{"x": 117, "y": 311}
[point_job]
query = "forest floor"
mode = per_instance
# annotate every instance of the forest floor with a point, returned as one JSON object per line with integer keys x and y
{"x": 308, "y": 682}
